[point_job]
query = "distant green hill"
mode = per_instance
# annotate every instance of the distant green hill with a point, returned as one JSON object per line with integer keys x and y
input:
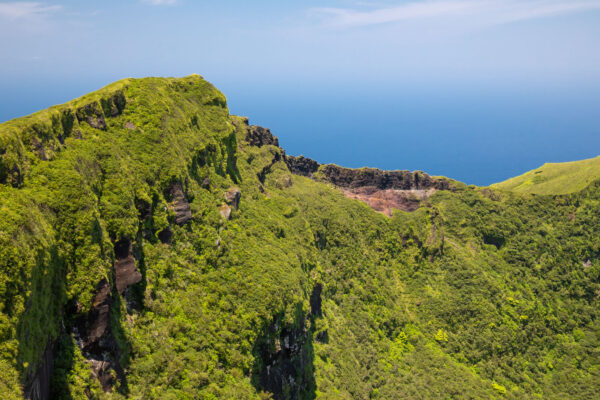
{"x": 555, "y": 178}
{"x": 153, "y": 246}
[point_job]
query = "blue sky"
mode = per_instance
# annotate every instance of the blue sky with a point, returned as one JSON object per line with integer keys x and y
{"x": 476, "y": 90}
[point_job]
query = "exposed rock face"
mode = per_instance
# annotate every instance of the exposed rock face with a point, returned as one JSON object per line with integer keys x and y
{"x": 372, "y": 177}
{"x": 126, "y": 274}
{"x": 387, "y": 200}
{"x": 383, "y": 191}
{"x": 98, "y": 319}
{"x": 95, "y": 338}
{"x": 286, "y": 361}
{"x": 93, "y": 331}
{"x": 92, "y": 114}
{"x": 95, "y": 113}
{"x": 225, "y": 211}
{"x": 114, "y": 105}
{"x": 301, "y": 165}
{"x": 101, "y": 370}
{"x": 262, "y": 175}
{"x": 183, "y": 212}
{"x": 259, "y": 136}
{"x": 232, "y": 197}
{"x": 38, "y": 386}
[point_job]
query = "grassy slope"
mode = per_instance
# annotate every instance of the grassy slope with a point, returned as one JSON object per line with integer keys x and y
{"x": 478, "y": 294}
{"x": 555, "y": 178}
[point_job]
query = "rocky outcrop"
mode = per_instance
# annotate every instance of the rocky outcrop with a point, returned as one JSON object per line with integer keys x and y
{"x": 225, "y": 211}
{"x": 384, "y": 191}
{"x": 259, "y": 136}
{"x": 262, "y": 174}
{"x": 93, "y": 331}
{"x": 126, "y": 274}
{"x": 94, "y": 337}
{"x": 372, "y": 177}
{"x": 181, "y": 206}
{"x": 37, "y": 387}
{"x": 97, "y": 323}
{"x": 285, "y": 361}
{"x": 301, "y": 165}
{"x": 114, "y": 105}
{"x": 93, "y": 115}
{"x": 232, "y": 197}
{"x": 232, "y": 202}
{"x": 285, "y": 364}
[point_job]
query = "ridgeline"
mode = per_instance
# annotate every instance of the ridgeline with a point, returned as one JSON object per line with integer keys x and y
{"x": 153, "y": 246}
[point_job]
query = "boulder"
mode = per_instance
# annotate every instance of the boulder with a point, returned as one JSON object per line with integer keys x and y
{"x": 181, "y": 206}
{"x": 232, "y": 197}
{"x": 225, "y": 211}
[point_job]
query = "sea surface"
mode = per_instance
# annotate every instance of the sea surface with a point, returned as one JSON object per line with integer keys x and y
{"x": 479, "y": 134}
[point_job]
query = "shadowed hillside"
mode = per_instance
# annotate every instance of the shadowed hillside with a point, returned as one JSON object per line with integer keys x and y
{"x": 153, "y": 246}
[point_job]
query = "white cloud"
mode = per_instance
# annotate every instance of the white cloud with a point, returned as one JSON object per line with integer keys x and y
{"x": 490, "y": 11}
{"x": 160, "y": 2}
{"x": 25, "y": 9}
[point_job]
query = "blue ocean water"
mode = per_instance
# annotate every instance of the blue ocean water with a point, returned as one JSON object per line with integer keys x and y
{"x": 477, "y": 135}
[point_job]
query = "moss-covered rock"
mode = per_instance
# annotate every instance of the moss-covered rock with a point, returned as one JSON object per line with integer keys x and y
{"x": 121, "y": 278}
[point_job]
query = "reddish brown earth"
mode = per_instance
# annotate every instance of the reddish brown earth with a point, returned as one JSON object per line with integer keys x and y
{"x": 384, "y": 191}
{"x": 387, "y": 200}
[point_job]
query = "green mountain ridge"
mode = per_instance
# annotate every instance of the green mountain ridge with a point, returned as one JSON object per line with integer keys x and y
{"x": 153, "y": 246}
{"x": 555, "y": 178}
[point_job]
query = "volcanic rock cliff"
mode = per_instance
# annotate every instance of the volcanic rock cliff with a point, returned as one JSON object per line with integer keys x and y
{"x": 384, "y": 191}
{"x": 153, "y": 246}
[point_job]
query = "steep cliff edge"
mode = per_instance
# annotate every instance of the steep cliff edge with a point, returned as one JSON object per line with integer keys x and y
{"x": 152, "y": 246}
{"x": 384, "y": 191}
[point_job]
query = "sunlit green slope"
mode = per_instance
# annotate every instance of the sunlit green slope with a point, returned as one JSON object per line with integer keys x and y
{"x": 152, "y": 246}
{"x": 555, "y": 178}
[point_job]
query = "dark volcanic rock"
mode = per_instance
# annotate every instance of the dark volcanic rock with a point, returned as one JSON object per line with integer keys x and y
{"x": 94, "y": 333}
{"x": 113, "y": 106}
{"x": 93, "y": 115}
{"x": 286, "y": 361}
{"x": 126, "y": 274}
{"x": 383, "y": 191}
{"x": 259, "y": 136}
{"x": 301, "y": 165}
{"x": 37, "y": 387}
{"x": 181, "y": 206}
{"x": 97, "y": 323}
{"x": 402, "y": 180}
{"x": 101, "y": 370}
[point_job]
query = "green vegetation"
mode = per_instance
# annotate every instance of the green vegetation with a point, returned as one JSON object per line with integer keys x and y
{"x": 555, "y": 178}
{"x": 302, "y": 293}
